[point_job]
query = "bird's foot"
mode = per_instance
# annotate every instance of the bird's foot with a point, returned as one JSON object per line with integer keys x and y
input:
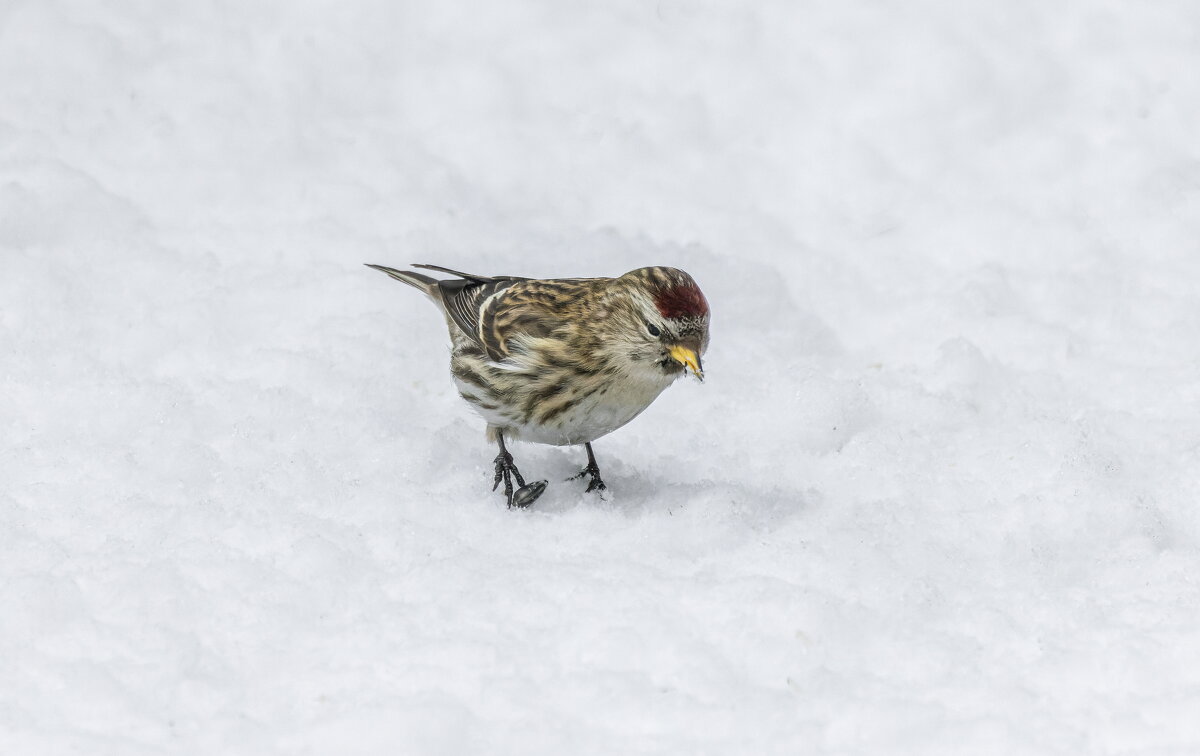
{"x": 524, "y": 494}
{"x": 595, "y": 484}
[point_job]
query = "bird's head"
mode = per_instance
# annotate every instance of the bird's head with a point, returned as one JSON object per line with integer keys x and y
{"x": 660, "y": 323}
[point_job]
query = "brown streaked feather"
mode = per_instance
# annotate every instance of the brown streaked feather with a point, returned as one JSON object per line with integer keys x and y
{"x": 531, "y": 308}
{"x": 463, "y": 301}
{"x": 464, "y": 297}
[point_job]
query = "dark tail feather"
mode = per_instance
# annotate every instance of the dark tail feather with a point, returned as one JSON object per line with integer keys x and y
{"x": 422, "y": 282}
{"x": 468, "y": 276}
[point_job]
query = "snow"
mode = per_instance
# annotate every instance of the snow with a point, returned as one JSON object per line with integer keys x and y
{"x": 938, "y": 494}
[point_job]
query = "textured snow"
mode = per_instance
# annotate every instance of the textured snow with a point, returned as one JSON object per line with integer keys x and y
{"x": 938, "y": 495}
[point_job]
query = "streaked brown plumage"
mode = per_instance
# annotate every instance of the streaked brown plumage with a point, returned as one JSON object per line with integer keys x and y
{"x": 565, "y": 361}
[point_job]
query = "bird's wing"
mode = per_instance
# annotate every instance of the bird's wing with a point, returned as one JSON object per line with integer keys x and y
{"x": 499, "y": 313}
{"x": 465, "y": 298}
{"x": 529, "y": 310}
{"x": 465, "y": 302}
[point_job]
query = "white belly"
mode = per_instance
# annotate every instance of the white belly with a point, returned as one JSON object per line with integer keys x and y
{"x": 595, "y": 416}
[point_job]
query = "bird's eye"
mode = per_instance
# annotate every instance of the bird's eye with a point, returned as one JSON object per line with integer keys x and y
{"x": 653, "y": 329}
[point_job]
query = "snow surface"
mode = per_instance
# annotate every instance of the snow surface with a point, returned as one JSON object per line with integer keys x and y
{"x": 939, "y": 494}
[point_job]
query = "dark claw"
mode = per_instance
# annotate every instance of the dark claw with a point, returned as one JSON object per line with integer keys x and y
{"x": 504, "y": 463}
{"x": 526, "y": 495}
{"x": 592, "y": 470}
{"x": 595, "y": 484}
{"x": 506, "y": 470}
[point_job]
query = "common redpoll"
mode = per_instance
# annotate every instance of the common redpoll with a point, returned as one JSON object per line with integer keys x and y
{"x": 565, "y": 361}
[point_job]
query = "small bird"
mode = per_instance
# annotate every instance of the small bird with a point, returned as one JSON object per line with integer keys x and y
{"x": 565, "y": 361}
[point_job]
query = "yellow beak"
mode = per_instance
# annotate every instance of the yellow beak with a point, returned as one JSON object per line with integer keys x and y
{"x": 688, "y": 359}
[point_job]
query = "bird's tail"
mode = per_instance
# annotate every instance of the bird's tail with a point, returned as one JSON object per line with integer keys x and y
{"x": 423, "y": 282}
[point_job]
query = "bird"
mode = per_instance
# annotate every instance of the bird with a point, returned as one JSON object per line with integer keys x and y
{"x": 564, "y": 361}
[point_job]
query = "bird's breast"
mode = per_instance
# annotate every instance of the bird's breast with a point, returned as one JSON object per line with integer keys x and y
{"x": 592, "y": 415}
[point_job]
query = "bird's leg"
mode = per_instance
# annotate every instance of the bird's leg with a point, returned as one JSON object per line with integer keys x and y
{"x": 506, "y": 470}
{"x": 593, "y": 470}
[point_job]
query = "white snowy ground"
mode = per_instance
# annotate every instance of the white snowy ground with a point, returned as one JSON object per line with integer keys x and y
{"x": 938, "y": 496}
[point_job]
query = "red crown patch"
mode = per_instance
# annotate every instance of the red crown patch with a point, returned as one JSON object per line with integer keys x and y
{"x": 681, "y": 301}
